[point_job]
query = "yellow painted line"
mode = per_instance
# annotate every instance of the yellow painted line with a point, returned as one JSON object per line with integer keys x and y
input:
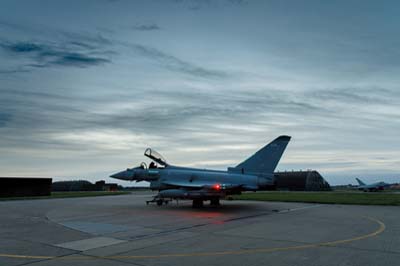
{"x": 381, "y": 228}
{"x": 25, "y": 256}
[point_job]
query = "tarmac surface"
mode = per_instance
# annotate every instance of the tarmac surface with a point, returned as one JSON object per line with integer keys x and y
{"x": 122, "y": 230}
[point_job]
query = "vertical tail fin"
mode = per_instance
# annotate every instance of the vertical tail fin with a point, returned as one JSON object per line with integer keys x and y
{"x": 361, "y": 183}
{"x": 266, "y": 159}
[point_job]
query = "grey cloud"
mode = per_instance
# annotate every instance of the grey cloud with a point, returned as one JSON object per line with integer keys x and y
{"x": 276, "y": 101}
{"x": 354, "y": 95}
{"x": 39, "y": 112}
{"x": 48, "y": 54}
{"x": 62, "y": 36}
{"x": 238, "y": 2}
{"x": 10, "y": 25}
{"x": 4, "y": 119}
{"x": 23, "y": 47}
{"x": 230, "y": 104}
{"x": 79, "y": 44}
{"x": 62, "y": 112}
{"x": 95, "y": 40}
{"x": 167, "y": 116}
{"x": 195, "y": 5}
{"x": 55, "y": 33}
{"x": 13, "y": 71}
{"x": 37, "y": 105}
{"x": 219, "y": 106}
{"x": 42, "y": 96}
{"x": 80, "y": 60}
{"x": 55, "y": 48}
{"x": 176, "y": 64}
{"x": 146, "y": 27}
{"x": 84, "y": 50}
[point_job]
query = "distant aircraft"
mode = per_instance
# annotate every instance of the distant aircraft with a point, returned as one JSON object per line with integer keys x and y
{"x": 199, "y": 185}
{"x": 371, "y": 187}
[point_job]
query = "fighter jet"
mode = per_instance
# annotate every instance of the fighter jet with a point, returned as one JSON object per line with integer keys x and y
{"x": 199, "y": 185}
{"x": 371, "y": 187}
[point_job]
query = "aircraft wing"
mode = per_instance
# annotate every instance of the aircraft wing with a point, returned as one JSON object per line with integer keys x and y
{"x": 201, "y": 185}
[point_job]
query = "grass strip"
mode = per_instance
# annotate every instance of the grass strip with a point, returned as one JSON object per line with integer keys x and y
{"x": 357, "y": 198}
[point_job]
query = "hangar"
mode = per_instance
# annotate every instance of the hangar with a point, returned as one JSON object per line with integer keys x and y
{"x": 24, "y": 186}
{"x": 309, "y": 180}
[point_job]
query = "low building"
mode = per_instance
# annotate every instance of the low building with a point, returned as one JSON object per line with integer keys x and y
{"x": 103, "y": 186}
{"x": 24, "y": 187}
{"x": 309, "y": 180}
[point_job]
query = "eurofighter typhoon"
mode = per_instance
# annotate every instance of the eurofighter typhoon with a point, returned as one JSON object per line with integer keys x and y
{"x": 199, "y": 185}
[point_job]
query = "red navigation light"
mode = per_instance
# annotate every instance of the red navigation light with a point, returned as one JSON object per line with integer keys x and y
{"x": 217, "y": 186}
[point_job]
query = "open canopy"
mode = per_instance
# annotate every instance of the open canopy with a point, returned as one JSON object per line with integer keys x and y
{"x": 155, "y": 156}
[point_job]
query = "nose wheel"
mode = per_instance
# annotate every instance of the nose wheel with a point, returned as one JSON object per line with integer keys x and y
{"x": 159, "y": 201}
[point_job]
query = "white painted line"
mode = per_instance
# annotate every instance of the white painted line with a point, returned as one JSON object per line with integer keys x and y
{"x": 301, "y": 208}
{"x": 90, "y": 243}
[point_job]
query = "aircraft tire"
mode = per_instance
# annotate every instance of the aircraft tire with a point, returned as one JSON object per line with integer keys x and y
{"x": 214, "y": 202}
{"x": 197, "y": 203}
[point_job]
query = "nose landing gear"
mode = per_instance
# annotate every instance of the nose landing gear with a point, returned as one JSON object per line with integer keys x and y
{"x": 159, "y": 201}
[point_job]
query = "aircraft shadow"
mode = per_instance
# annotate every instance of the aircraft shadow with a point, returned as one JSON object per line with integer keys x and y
{"x": 224, "y": 208}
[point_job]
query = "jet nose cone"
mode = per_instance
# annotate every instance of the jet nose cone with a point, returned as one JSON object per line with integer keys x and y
{"x": 114, "y": 175}
{"x": 121, "y": 175}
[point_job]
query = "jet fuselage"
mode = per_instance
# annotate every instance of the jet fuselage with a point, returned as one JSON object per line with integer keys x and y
{"x": 173, "y": 177}
{"x": 174, "y": 182}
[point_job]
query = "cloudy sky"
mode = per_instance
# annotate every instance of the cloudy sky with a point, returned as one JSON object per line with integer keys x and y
{"x": 86, "y": 86}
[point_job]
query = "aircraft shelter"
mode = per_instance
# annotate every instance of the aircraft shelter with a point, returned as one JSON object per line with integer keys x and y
{"x": 309, "y": 180}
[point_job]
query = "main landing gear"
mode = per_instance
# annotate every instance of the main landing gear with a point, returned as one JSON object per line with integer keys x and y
{"x": 159, "y": 201}
{"x": 197, "y": 203}
{"x": 214, "y": 202}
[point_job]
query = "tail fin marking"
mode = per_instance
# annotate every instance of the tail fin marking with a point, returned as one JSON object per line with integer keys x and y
{"x": 361, "y": 183}
{"x": 266, "y": 159}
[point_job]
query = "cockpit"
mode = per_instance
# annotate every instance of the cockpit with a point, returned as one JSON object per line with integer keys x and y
{"x": 156, "y": 159}
{"x": 155, "y": 156}
{"x": 143, "y": 165}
